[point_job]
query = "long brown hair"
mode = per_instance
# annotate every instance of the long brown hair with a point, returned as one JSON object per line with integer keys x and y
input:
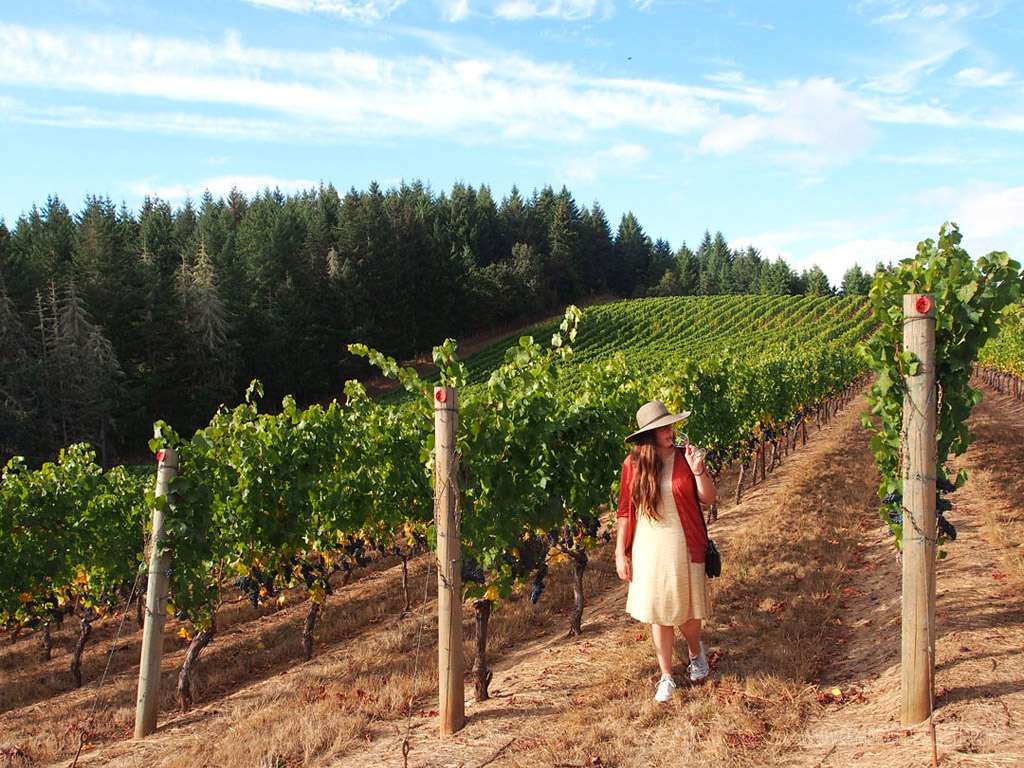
{"x": 647, "y": 469}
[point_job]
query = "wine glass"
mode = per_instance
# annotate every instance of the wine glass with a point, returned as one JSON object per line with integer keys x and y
{"x": 682, "y": 440}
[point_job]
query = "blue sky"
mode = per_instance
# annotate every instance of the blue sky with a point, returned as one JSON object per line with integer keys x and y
{"x": 829, "y": 133}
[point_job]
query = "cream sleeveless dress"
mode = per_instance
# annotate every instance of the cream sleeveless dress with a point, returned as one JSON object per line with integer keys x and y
{"x": 666, "y": 588}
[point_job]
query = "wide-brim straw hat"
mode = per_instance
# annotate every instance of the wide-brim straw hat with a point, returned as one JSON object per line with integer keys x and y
{"x": 653, "y": 415}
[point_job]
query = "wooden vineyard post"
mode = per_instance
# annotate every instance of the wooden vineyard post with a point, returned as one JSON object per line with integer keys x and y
{"x": 919, "y": 460}
{"x": 156, "y": 605}
{"x": 451, "y": 664}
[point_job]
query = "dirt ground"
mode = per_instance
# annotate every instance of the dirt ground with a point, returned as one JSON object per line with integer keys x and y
{"x": 979, "y": 653}
{"x": 979, "y": 702}
{"x": 585, "y": 701}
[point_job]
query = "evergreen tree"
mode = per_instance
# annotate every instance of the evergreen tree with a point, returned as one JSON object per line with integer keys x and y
{"x": 779, "y": 279}
{"x": 476, "y": 226}
{"x": 597, "y": 250}
{"x": 42, "y": 249}
{"x": 377, "y": 280}
{"x": 707, "y": 279}
{"x": 513, "y": 218}
{"x": 633, "y": 250}
{"x": 19, "y": 381}
{"x": 154, "y": 371}
{"x": 81, "y": 370}
{"x": 562, "y": 269}
{"x": 746, "y": 271}
{"x": 669, "y": 285}
{"x": 815, "y": 282}
{"x": 688, "y": 268}
{"x": 855, "y": 282}
{"x": 539, "y": 215}
{"x": 662, "y": 261}
{"x": 715, "y": 260}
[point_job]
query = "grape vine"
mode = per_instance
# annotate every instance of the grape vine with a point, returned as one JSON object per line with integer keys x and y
{"x": 969, "y": 298}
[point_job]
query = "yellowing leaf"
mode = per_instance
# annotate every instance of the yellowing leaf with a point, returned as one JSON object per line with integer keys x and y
{"x": 491, "y": 593}
{"x": 24, "y": 597}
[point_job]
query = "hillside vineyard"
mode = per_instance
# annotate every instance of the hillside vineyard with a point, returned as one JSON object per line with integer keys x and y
{"x": 268, "y": 500}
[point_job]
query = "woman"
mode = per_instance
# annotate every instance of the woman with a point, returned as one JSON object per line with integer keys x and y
{"x": 661, "y": 538}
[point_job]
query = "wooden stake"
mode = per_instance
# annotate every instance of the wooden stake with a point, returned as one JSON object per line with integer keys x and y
{"x": 451, "y": 664}
{"x": 920, "y": 456}
{"x": 148, "y": 701}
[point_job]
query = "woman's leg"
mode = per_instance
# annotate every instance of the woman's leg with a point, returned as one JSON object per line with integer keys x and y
{"x": 691, "y": 631}
{"x": 664, "y": 637}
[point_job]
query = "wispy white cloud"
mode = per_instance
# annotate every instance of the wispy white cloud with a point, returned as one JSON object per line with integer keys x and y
{"x": 894, "y": 110}
{"x": 981, "y": 78}
{"x": 898, "y": 11}
{"x": 524, "y": 10}
{"x": 338, "y": 93}
{"x": 991, "y": 211}
{"x": 1007, "y": 121}
{"x": 731, "y": 77}
{"x": 926, "y": 37}
{"x": 622, "y": 158}
{"x": 988, "y": 214}
{"x": 455, "y": 10}
{"x": 183, "y": 86}
{"x": 219, "y": 187}
{"x": 850, "y": 247}
{"x": 903, "y": 77}
{"x": 352, "y": 10}
{"x": 180, "y": 123}
{"x": 836, "y": 260}
{"x": 817, "y": 115}
{"x": 934, "y": 11}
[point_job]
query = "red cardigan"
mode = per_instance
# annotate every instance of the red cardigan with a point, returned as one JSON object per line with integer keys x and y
{"x": 684, "y": 491}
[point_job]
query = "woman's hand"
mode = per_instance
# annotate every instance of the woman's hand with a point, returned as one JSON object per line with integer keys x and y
{"x": 623, "y": 566}
{"x": 695, "y": 458}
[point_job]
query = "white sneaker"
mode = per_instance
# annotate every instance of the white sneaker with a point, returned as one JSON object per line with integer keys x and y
{"x": 699, "y": 667}
{"x": 666, "y": 685}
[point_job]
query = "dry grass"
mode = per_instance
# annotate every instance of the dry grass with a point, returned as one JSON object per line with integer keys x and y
{"x": 995, "y": 461}
{"x": 786, "y": 550}
{"x": 808, "y": 602}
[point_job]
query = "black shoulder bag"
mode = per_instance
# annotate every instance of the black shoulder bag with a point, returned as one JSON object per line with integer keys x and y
{"x": 712, "y": 560}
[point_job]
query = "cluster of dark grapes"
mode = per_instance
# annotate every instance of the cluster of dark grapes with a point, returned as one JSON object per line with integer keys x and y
{"x": 538, "y": 583}
{"x": 895, "y": 502}
{"x": 946, "y": 528}
{"x": 471, "y": 571}
{"x": 712, "y": 462}
{"x": 571, "y": 536}
{"x": 357, "y": 551}
{"x": 532, "y": 553}
{"x": 257, "y": 586}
